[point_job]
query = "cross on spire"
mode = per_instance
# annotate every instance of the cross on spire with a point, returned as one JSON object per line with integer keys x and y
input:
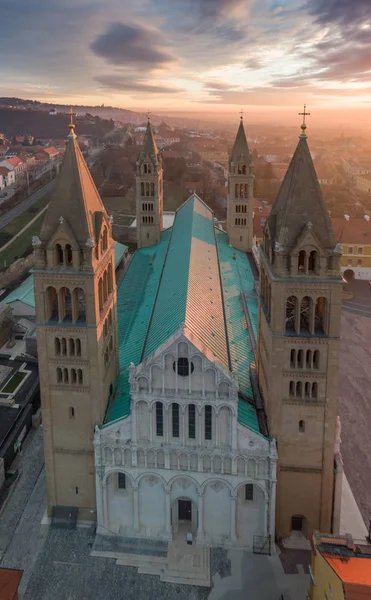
{"x": 148, "y": 115}
{"x": 304, "y": 114}
{"x": 71, "y": 124}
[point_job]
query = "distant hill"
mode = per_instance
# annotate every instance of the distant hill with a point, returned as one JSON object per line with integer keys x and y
{"x": 104, "y": 112}
{"x": 37, "y": 122}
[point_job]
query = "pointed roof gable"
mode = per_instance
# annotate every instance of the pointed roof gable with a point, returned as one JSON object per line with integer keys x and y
{"x": 75, "y": 197}
{"x": 149, "y": 147}
{"x": 240, "y": 147}
{"x": 300, "y": 201}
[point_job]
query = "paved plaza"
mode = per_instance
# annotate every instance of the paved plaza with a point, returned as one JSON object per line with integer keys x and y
{"x": 58, "y": 564}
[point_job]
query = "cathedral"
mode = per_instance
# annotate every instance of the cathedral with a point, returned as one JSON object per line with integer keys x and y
{"x": 195, "y": 396}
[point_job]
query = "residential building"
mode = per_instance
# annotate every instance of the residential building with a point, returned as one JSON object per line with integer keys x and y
{"x": 50, "y": 153}
{"x": 354, "y": 235}
{"x": 8, "y": 175}
{"x": 363, "y": 183}
{"x": 340, "y": 568}
{"x": 15, "y": 164}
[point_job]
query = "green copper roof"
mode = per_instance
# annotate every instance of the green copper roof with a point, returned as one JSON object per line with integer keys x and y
{"x": 120, "y": 250}
{"x": 23, "y": 293}
{"x": 237, "y": 278}
{"x": 135, "y": 299}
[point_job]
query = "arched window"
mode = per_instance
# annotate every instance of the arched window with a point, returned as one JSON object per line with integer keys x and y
{"x": 105, "y": 286}
{"x": 159, "y": 419}
{"x": 241, "y": 190}
{"x": 110, "y": 279}
{"x": 305, "y": 314}
{"x": 293, "y": 358}
{"x": 105, "y": 239}
{"x": 73, "y": 376}
{"x": 302, "y": 261}
{"x": 57, "y": 346}
{"x": 291, "y": 314}
{"x": 316, "y": 359}
{"x": 175, "y": 420}
{"x": 299, "y": 389}
{"x": 307, "y": 389}
{"x": 68, "y": 254}
{"x": 315, "y": 390}
{"x": 142, "y": 189}
{"x": 308, "y": 361}
{"x": 65, "y": 304}
{"x": 147, "y": 188}
{"x": 79, "y": 304}
{"x": 64, "y": 346}
{"x": 71, "y": 349}
{"x": 245, "y": 190}
{"x": 59, "y": 256}
{"x": 238, "y": 208}
{"x": 321, "y": 315}
{"x": 149, "y": 169}
{"x": 78, "y": 347}
{"x": 192, "y": 422}
{"x": 100, "y": 292}
{"x": 312, "y": 262}
{"x": 302, "y": 426}
{"x": 152, "y": 189}
{"x": 236, "y": 188}
{"x": 300, "y": 359}
{"x": 59, "y": 375}
{"x": 79, "y": 376}
{"x": 65, "y": 375}
{"x": 51, "y": 304}
{"x": 181, "y": 366}
{"x": 292, "y": 389}
{"x": 145, "y": 169}
{"x": 208, "y": 423}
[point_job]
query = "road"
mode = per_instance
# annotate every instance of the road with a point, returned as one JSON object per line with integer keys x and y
{"x": 22, "y": 206}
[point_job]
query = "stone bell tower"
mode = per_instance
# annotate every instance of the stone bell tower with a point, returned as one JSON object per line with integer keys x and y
{"x": 240, "y": 194}
{"x": 149, "y": 192}
{"x": 298, "y": 345}
{"x": 75, "y": 292}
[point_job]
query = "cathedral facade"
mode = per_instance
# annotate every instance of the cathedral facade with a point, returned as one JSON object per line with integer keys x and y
{"x": 164, "y": 397}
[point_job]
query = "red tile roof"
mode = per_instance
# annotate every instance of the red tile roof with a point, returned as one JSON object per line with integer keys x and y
{"x": 9, "y": 582}
{"x": 355, "y": 573}
{"x": 15, "y": 161}
{"x": 4, "y": 171}
{"x": 354, "y": 231}
{"x": 50, "y": 151}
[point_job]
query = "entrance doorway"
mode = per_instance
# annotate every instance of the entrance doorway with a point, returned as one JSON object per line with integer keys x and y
{"x": 296, "y": 523}
{"x": 349, "y": 275}
{"x": 184, "y": 510}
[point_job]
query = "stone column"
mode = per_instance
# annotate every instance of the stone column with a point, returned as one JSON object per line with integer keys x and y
{"x": 167, "y": 513}
{"x": 233, "y": 519}
{"x": 99, "y": 471}
{"x": 136, "y": 509}
{"x": 200, "y": 524}
{"x": 134, "y": 424}
{"x": 166, "y": 423}
{"x": 105, "y": 521}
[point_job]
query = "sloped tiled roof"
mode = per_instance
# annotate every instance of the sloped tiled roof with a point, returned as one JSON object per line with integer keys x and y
{"x": 355, "y": 574}
{"x": 240, "y": 147}
{"x": 354, "y": 231}
{"x": 192, "y": 277}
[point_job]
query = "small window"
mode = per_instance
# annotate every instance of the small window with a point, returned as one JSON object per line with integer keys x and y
{"x": 76, "y": 490}
{"x": 249, "y": 491}
{"x": 359, "y": 262}
{"x": 121, "y": 481}
{"x": 208, "y": 423}
{"x": 192, "y": 422}
{"x": 360, "y": 250}
{"x": 175, "y": 416}
{"x": 159, "y": 419}
{"x": 72, "y": 412}
{"x": 301, "y": 426}
{"x": 350, "y": 250}
{"x": 240, "y": 238}
{"x": 182, "y": 367}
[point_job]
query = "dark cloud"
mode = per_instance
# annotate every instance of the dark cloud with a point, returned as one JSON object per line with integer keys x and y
{"x": 216, "y": 85}
{"x": 343, "y": 12}
{"x": 254, "y": 63}
{"x": 128, "y": 45}
{"x": 117, "y": 82}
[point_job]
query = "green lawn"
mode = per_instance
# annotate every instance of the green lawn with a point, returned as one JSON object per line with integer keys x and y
{"x": 21, "y": 246}
{"x": 18, "y": 223}
{"x": 13, "y": 383}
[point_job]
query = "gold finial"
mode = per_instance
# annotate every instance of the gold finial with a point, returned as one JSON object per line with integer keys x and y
{"x": 241, "y": 113}
{"x": 303, "y": 125}
{"x": 148, "y": 115}
{"x": 71, "y": 124}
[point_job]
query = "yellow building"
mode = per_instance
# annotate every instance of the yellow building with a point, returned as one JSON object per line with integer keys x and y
{"x": 340, "y": 569}
{"x": 363, "y": 183}
{"x": 354, "y": 234}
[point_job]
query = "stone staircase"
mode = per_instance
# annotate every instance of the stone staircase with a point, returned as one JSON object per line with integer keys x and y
{"x": 173, "y": 562}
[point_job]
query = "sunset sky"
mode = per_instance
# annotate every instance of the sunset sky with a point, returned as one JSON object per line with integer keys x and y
{"x": 191, "y": 55}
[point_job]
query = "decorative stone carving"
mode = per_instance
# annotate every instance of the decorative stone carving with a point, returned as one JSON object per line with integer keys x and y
{"x": 36, "y": 241}
{"x": 184, "y": 483}
{"x": 61, "y": 220}
{"x": 310, "y": 225}
{"x": 338, "y": 249}
{"x": 278, "y": 247}
{"x": 151, "y": 480}
{"x": 110, "y": 220}
{"x": 90, "y": 243}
